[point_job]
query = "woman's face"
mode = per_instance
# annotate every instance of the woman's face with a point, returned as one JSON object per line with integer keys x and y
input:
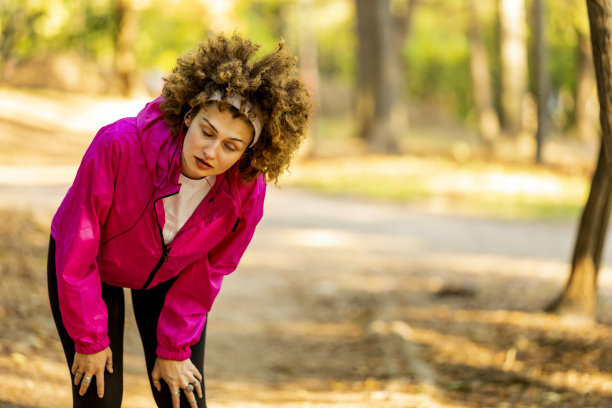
{"x": 214, "y": 142}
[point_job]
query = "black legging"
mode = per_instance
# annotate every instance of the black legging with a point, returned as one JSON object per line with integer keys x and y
{"x": 147, "y": 308}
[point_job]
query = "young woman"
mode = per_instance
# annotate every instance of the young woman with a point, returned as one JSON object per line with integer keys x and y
{"x": 165, "y": 204}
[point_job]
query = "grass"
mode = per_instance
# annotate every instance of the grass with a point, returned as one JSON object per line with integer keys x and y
{"x": 477, "y": 188}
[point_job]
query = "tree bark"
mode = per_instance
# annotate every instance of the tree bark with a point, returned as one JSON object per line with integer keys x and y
{"x": 125, "y": 59}
{"x": 402, "y": 18}
{"x": 309, "y": 69}
{"x": 600, "y": 21}
{"x": 542, "y": 84}
{"x": 488, "y": 121}
{"x": 584, "y": 90}
{"x": 514, "y": 64}
{"x": 579, "y": 296}
{"x": 375, "y": 90}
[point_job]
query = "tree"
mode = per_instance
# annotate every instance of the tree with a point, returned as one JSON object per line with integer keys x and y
{"x": 127, "y": 31}
{"x": 579, "y": 296}
{"x": 375, "y": 88}
{"x": 488, "y": 121}
{"x": 541, "y": 68}
{"x": 514, "y": 64}
{"x": 309, "y": 68}
{"x": 401, "y": 24}
{"x": 584, "y": 89}
{"x": 17, "y": 22}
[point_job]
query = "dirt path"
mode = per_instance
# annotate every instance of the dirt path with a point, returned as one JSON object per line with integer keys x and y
{"x": 342, "y": 303}
{"x": 338, "y": 302}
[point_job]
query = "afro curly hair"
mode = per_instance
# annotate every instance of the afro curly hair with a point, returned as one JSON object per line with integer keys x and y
{"x": 270, "y": 82}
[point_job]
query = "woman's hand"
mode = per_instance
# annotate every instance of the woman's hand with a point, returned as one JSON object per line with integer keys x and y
{"x": 85, "y": 366}
{"x": 178, "y": 374}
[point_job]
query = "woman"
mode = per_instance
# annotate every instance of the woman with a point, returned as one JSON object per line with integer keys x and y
{"x": 165, "y": 204}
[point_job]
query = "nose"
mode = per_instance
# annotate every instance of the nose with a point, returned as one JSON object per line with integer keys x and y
{"x": 210, "y": 150}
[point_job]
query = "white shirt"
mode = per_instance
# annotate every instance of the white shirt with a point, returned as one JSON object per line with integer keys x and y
{"x": 179, "y": 207}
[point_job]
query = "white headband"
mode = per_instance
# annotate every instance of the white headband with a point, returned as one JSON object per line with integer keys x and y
{"x": 243, "y": 105}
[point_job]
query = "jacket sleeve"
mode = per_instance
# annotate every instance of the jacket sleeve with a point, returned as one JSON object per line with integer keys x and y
{"x": 76, "y": 230}
{"x": 191, "y": 296}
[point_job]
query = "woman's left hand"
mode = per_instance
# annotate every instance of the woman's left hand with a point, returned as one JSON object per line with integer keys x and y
{"x": 178, "y": 375}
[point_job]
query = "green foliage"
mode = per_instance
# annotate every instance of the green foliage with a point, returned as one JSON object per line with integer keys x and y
{"x": 566, "y": 22}
{"x": 18, "y": 25}
{"x": 437, "y": 57}
{"x": 263, "y": 21}
{"x": 167, "y": 31}
{"x": 336, "y": 39}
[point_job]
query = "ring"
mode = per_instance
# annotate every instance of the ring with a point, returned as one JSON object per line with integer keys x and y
{"x": 86, "y": 379}
{"x": 79, "y": 372}
{"x": 193, "y": 403}
{"x": 176, "y": 394}
{"x": 189, "y": 387}
{"x": 155, "y": 382}
{"x": 109, "y": 363}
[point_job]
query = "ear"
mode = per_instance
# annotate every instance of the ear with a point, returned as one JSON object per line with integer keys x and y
{"x": 187, "y": 119}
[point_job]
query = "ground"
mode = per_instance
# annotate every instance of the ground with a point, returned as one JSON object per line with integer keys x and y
{"x": 338, "y": 302}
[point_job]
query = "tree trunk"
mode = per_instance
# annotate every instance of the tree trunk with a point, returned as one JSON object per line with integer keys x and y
{"x": 402, "y": 18}
{"x": 579, "y": 296}
{"x": 309, "y": 69}
{"x": 376, "y": 95}
{"x": 488, "y": 121}
{"x": 584, "y": 90}
{"x": 600, "y": 21}
{"x": 541, "y": 57}
{"x": 514, "y": 64}
{"x": 125, "y": 59}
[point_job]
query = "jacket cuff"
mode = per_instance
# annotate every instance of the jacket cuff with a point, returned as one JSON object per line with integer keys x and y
{"x": 92, "y": 348}
{"x": 173, "y": 354}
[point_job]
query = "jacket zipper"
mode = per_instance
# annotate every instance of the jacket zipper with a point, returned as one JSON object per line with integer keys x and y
{"x": 164, "y": 255}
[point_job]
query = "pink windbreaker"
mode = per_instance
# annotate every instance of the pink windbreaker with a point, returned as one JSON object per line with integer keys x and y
{"x": 108, "y": 228}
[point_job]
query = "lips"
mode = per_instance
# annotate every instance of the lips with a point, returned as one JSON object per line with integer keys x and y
{"x": 203, "y": 164}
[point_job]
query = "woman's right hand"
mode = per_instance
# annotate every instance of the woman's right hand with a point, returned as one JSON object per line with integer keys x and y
{"x": 85, "y": 366}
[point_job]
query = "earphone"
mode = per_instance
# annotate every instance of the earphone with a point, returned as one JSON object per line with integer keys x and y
{"x": 171, "y": 159}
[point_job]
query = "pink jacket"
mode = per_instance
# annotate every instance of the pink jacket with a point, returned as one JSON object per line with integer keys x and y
{"x": 108, "y": 228}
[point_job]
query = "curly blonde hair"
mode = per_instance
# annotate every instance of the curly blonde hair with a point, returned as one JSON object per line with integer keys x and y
{"x": 226, "y": 64}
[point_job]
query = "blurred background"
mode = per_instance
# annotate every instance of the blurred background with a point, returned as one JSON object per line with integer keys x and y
{"x": 423, "y": 228}
{"x": 475, "y": 84}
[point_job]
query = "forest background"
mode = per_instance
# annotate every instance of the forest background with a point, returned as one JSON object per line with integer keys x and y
{"x": 473, "y": 83}
{"x": 445, "y": 108}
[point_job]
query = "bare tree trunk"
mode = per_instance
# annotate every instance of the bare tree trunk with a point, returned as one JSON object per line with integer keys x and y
{"x": 514, "y": 64}
{"x": 488, "y": 121}
{"x": 541, "y": 56}
{"x": 125, "y": 59}
{"x": 309, "y": 69}
{"x": 376, "y": 95}
{"x": 584, "y": 90}
{"x": 402, "y": 18}
{"x": 366, "y": 75}
{"x": 579, "y": 296}
{"x": 600, "y": 21}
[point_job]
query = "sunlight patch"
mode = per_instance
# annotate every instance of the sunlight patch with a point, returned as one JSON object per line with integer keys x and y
{"x": 320, "y": 238}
